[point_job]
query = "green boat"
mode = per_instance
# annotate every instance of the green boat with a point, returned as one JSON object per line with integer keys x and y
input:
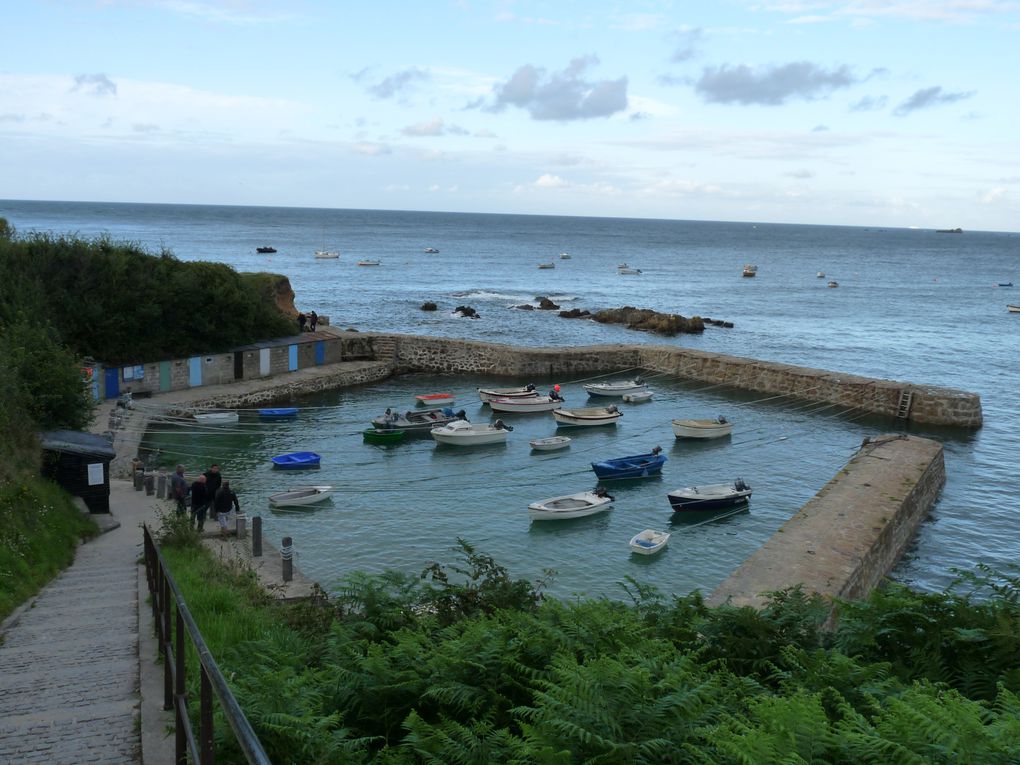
{"x": 380, "y": 436}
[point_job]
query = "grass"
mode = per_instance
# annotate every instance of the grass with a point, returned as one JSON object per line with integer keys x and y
{"x": 39, "y": 530}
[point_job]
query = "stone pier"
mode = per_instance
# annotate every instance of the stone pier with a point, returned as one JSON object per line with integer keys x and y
{"x": 847, "y": 537}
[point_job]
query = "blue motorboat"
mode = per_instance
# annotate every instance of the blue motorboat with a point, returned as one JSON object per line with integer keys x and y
{"x": 635, "y": 466}
{"x": 297, "y": 461}
{"x": 275, "y": 414}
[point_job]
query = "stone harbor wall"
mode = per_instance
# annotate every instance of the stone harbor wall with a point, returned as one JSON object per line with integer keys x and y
{"x": 925, "y": 404}
{"x": 847, "y": 537}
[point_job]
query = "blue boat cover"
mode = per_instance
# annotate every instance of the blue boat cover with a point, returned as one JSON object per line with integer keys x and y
{"x": 635, "y": 466}
{"x": 289, "y": 411}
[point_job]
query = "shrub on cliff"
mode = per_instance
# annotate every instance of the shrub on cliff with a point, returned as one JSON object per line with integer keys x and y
{"x": 119, "y": 304}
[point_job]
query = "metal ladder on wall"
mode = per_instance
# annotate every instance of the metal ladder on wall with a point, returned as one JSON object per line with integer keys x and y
{"x": 903, "y": 409}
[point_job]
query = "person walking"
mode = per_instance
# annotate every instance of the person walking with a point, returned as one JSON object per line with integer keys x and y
{"x": 301, "y": 318}
{"x": 179, "y": 490}
{"x": 224, "y": 499}
{"x": 199, "y": 502}
{"x": 213, "y": 480}
{"x": 313, "y": 320}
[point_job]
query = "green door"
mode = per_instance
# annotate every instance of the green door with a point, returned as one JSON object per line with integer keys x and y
{"x": 164, "y": 375}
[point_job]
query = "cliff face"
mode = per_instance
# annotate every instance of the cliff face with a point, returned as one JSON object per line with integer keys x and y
{"x": 283, "y": 295}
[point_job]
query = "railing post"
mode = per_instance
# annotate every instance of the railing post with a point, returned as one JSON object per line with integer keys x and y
{"x": 205, "y": 712}
{"x": 181, "y": 739}
{"x": 287, "y": 556}
{"x": 256, "y": 536}
{"x": 161, "y": 484}
{"x": 167, "y": 643}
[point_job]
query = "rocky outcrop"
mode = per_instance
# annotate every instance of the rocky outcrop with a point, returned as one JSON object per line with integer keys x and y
{"x": 283, "y": 295}
{"x": 575, "y": 313}
{"x": 648, "y": 320}
{"x": 428, "y": 305}
{"x": 718, "y": 323}
{"x": 545, "y": 304}
{"x": 467, "y": 312}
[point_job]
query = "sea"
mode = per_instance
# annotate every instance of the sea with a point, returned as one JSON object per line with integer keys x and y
{"x": 913, "y": 305}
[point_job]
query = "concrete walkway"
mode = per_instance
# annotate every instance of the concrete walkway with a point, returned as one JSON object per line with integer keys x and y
{"x": 70, "y": 682}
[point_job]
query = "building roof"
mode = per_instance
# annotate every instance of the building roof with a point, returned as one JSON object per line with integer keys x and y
{"x": 78, "y": 442}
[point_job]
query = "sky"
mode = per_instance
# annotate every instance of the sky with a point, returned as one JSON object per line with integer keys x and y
{"x": 852, "y": 112}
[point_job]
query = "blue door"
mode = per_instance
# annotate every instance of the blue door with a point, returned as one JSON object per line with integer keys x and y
{"x": 195, "y": 371}
{"x": 111, "y": 378}
{"x": 320, "y": 352}
{"x": 292, "y": 359}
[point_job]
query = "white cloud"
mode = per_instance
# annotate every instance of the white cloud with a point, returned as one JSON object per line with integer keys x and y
{"x": 550, "y": 181}
{"x": 992, "y": 196}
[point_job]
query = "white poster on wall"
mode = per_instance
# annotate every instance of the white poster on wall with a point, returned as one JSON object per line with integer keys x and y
{"x": 96, "y": 474}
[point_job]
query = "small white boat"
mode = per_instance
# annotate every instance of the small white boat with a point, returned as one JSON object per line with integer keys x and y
{"x": 639, "y": 397}
{"x": 617, "y": 388}
{"x": 1013, "y": 308}
{"x": 648, "y": 542}
{"x": 713, "y": 496}
{"x": 547, "y": 265}
{"x": 550, "y": 444}
{"x": 327, "y": 254}
{"x": 716, "y": 428}
{"x": 525, "y": 391}
{"x": 305, "y": 495}
{"x": 431, "y": 250}
{"x": 821, "y": 274}
{"x": 564, "y": 256}
{"x": 434, "y": 399}
{"x": 525, "y": 404}
{"x": 629, "y": 271}
{"x": 464, "y": 433}
{"x": 588, "y": 416}
{"x": 622, "y": 265}
{"x": 833, "y": 283}
{"x": 570, "y": 506}
{"x": 216, "y": 418}
{"x": 369, "y": 262}
{"x": 750, "y": 270}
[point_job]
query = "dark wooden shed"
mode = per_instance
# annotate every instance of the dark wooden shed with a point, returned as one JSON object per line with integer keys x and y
{"x": 80, "y": 463}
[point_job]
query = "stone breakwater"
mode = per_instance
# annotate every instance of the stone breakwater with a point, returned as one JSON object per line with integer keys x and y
{"x": 847, "y": 537}
{"x": 922, "y": 404}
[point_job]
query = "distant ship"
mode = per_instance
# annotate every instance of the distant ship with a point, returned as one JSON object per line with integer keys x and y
{"x": 265, "y": 249}
{"x": 949, "y": 231}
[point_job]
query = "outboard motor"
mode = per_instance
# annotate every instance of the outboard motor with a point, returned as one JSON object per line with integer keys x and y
{"x": 656, "y": 450}
{"x": 639, "y": 380}
{"x": 612, "y": 408}
{"x": 739, "y": 485}
{"x": 529, "y": 387}
{"x": 502, "y": 425}
{"x": 462, "y": 415}
{"x": 721, "y": 420}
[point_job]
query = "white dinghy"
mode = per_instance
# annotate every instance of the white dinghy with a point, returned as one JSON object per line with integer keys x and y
{"x": 716, "y": 428}
{"x": 587, "y": 416}
{"x": 550, "y": 444}
{"x": 617, "y": 388}
{"x": 216, "y": 418}
{"x": 648, "y": 542}
{"x": 525, "y": 391}
{"x": 306, "y": 495}
{"x": 570, "y": 506}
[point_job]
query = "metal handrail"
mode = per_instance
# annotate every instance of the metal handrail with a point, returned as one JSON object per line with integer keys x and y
{"x": 166, "y": 596}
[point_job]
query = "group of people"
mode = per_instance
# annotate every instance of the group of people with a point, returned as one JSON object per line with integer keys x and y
{"x": 209, "y": 490}
{"x": 311, "y": 319}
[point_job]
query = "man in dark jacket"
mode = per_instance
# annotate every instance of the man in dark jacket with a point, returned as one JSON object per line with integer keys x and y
{"x": 213, "y": 480}
{"x": 179, "y": 489}
{"x": 224, "y": 499}
{"x": 200, "y": 499}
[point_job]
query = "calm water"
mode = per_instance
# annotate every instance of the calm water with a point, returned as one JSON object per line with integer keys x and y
{"x": 912, "y": 305}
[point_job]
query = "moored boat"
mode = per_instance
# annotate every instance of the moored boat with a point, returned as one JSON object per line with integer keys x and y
{"x": 464, "y": 433}
{"x": 714, "y": 496}
{"x": 431, "y": 250}
{"x": 525, "y": 391}
{"x": 265, "y": 250}
{"x": 615, "y": 388}
{"x": 716, "y": 428}
{"x": 1013, "y": 308}
{"x": 649, "y": 541}
{"x": 638, "y": 397}
{"x": 587, "y": 416}
{"x": 564, "y": 256}
{"x": 306, "y": 495}
{"x": 550, "y": 444}
{"x": 547, "y": 265}
{"x": 634, "y": 466}
{"x": 369, "y": 262}
{"x": 750, "y": 270}
{"x": 296, "y": 460}
{"x": 833, "y": 283}
{"x": 216, "y": 418}
{"x": 326, "y": 254}
{"x": 419, "y": 421}
{"x": 434, "y": 399}
{"x": 526, "y": 404}
{"x": 571, "y": 506}
{"x": 628, "y": 271}
{"x": 382, "y": 436}
{"x": 278, "y": 413}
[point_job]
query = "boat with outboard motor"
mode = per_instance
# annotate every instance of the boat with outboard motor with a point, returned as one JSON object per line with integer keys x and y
{"x": 418, "y": 421}
{"x": 714, "y": 496}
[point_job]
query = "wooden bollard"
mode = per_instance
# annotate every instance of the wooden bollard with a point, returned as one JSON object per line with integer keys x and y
{"x": 161, "y": 484}
{"x": 149, "y": 481}
{"x": 256, "y": 536}
{"x": 287, "y": 556}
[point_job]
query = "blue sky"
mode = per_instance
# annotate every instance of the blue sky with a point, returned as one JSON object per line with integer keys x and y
{"x": 860, "y": 112}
